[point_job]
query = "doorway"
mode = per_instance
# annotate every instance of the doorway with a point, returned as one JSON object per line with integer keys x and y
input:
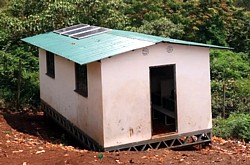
{"x": 163, "y": 99}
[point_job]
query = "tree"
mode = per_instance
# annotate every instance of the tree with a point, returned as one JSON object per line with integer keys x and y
{"x": 230, "y": 75}
{"x": 212, "y": 21}
{"x": 3, "y": 3}
{"x": 242, "y": 3}
{"x": 161, "y": 27}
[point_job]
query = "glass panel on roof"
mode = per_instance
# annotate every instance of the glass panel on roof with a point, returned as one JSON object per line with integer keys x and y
{"x": 90, "y": 33}
{"x": 81, "y": 31}
{"x": 70, "y": 28}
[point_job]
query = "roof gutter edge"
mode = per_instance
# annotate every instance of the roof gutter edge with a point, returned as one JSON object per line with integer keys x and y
{"x": 200, "y": 45}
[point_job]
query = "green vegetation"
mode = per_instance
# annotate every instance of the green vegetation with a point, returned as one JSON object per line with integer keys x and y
{"x": 231, "y": 70}
{"x": 235, "y": 126}
{"x": 220, "y": 22}
{"x": 9, "y": 70}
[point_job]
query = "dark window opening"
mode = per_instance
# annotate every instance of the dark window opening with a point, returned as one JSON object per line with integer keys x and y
{"x": 50, "y": 64}
{"x": 81, "y": 80}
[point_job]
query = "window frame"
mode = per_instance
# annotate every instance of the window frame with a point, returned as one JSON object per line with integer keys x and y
{"x": 50, "y": 64}
{"x": 81, "y": 79}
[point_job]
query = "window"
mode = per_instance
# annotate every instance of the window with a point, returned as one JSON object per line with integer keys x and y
{"x": 81, "y": 79}
{"x": 50, "y": 64}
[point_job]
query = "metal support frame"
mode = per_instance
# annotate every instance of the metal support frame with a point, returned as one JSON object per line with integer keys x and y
{"x": 79, "y": 135}
{"x": 168, "y": 141}
{"x": 174, "y": 141}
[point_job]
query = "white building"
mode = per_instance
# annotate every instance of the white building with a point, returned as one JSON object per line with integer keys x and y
{"x": 120, "y": 90}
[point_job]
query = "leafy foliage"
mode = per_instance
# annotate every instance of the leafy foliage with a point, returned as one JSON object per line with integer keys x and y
{"x": 215, "y": 22}
{"x": 229, "y": 65}
{"x": 242, "y": 3}
{"x": 231, "y": 70}
{"x": 9, "y": 72}
{"x": 235, "y": 126}
{"x": 161, "y": 27}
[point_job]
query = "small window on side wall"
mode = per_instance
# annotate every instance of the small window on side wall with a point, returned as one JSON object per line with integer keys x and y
{"x": 81, "y": 79}
{"x": 50, "y": 64}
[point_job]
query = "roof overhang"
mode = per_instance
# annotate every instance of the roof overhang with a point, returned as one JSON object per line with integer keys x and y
{"x": 101, "y": 46}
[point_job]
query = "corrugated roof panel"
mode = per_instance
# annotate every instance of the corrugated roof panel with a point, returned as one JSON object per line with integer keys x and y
{"x": 100, "y": 46}
{"x": 88, "y": 49}
{"x": 157, "y": 39}
{"x": 138, "y": 36}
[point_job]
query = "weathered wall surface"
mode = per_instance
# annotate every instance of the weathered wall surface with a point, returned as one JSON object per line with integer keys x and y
{"x": 120, "y": 85}
{"x": 126, "y": 91}
{"x": 86, "y": 113}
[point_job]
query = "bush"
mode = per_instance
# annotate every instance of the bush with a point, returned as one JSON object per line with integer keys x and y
{"x": 29, "y": 93}
{"x": 231, "y": 70}
{"x": 237, "y": 125}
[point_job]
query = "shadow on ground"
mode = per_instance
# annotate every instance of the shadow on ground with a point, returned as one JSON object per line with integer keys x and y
{"x": 37, "y": 124}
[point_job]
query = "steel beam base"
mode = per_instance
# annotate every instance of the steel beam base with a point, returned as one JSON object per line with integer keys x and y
{"x": 168, "y": 141}
{"x": 86, "y": 141}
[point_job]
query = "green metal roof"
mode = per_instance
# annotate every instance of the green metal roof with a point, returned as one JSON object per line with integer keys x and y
{"x": 100, "y": 46}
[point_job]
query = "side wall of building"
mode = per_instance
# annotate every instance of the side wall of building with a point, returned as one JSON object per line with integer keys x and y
{"x": 126, "y": 91}
{"x": 85, "y": 113}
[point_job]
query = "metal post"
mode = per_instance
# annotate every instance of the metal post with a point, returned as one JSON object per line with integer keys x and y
{"x": 19, "y": 85}
{"x": 224, "y": 100}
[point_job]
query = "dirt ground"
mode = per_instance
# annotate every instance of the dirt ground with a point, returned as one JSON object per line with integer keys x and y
{"x": 28, "y": 138}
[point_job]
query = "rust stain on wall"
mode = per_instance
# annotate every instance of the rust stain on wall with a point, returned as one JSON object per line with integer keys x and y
{"x": 131, "y": 131}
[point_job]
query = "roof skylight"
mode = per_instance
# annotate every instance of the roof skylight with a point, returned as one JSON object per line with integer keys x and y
{"x": 81, "y": 31}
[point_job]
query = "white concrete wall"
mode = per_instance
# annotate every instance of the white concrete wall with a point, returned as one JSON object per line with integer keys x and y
{"x": 126, "y": 92}
{"x": 86, "y": 113}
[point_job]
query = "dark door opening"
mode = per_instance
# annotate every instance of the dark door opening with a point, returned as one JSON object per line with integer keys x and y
{"x": 163, "y": 99}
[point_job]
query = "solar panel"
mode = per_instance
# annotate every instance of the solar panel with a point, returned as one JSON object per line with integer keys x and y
{"x": 70, "y": 28}
{"x": 81, "y": 31}
{"x": 90, "y": 33}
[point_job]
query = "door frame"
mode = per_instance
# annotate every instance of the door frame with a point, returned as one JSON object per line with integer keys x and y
{"x": 175, "y": 96}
